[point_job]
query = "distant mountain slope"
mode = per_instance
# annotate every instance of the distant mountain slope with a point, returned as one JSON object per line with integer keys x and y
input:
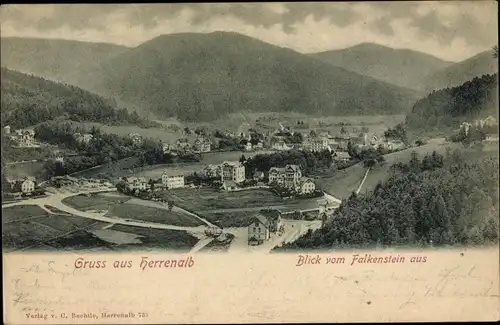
{"x": 450, "y": 106}
{"x": 53, "y": 58}
{"x": 28, "y": 100}
{"x": 402, "y": 67}
{"x": 206, "y": 76}
{"x": 458, "y": 73}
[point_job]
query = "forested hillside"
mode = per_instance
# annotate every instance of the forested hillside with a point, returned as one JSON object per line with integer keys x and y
{"x": 460, "y": 72}
{"x": 431, "y": 201}
{"x": 28, "y": 100}
{"x": 54, "y": 59}
{"x": 402, "y": 67}
{"x": 450, "y": 106}
{"x": 207, "y": 76}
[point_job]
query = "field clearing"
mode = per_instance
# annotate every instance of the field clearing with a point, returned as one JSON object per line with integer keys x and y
{"x": 157, "y": 238}
{"x": 151, "y": 214}
{"x": 19, "y": 212}
{"x": 233, "y": 209}
{"x": 94, "y": 201}
{"x": 55, "y": 230}
{"x": 206, "y": 199}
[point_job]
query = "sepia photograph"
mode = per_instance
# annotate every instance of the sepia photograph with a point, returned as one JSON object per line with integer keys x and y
{"x": 249, "y": 127}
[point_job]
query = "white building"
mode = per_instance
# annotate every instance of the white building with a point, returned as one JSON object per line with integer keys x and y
{"x": 306, "y": 186}
{"x": 136, "y": 139}
{"x": 232, "y": 171}
{"x": 166, "y": 147}
{"x": 277, "y": 176}
{"x": 293, "y": 174}
{"x": 26, "y": 185}
{"x": 24, "y": 138}
{"x": 137, "y": 183}
{"x": 172, "y": 179}
{"x": 288, "y": 177}
{"x": 248, "y": 146}
{"x": 281, "y": 145}
{"x": 202, "y": 145}
{"x": 342, "y": 156}
{"x": 258, "y": 230}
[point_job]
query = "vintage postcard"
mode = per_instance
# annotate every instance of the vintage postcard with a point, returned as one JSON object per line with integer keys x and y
{"x": 250, "y": 162}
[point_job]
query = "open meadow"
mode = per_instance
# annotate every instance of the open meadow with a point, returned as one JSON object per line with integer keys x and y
{"x": 125, "y": 207}
{"x": 207, "y": 199}
{"x": 148, "y": 238}
{"x": 233, "y": 209}
{"x": 28, "y": 227}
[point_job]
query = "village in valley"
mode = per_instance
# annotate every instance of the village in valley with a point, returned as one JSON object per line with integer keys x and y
{"x": 298, "y": 203}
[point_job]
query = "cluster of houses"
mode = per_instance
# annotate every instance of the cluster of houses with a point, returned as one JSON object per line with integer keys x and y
{"x": 199, "y": 145}
{"x": 290, "y": 177}
{"x": 337, "y": 144}
{"x": 83, "y": 138}
{"x": 489, "y": 121}
{"x": 232, "y": 175}
{"x": 20, "y": 137}
{"x": 170, "y": 179}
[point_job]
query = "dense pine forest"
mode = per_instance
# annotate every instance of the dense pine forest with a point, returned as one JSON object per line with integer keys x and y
{"x": 450, "y": 106}
{"x": 437, "y": 200}
{"x": 28, "y": 100}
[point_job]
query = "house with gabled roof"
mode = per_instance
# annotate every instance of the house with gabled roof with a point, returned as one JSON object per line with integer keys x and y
{"x": 202, "y": 145}
{"x": 306, "y": 185}
{"x": 258, "y": 230}
{"x": 292, "y": 176}
{"x": 277, "y": 175}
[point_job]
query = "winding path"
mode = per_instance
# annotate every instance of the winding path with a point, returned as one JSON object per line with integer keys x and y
{"x": 240, "y": 240}
{"x": 363, "y": 181}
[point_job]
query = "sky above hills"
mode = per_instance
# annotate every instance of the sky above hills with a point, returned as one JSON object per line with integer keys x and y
{"x": 449, "y": 30}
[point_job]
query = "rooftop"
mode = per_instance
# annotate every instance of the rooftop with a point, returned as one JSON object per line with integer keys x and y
{"x": 270, "y": 213}
{"x": 232, "y": 163}
{"x": 294, "y": 167}
{"x": 262, "y": 219}
{"x": 173, "y": 173}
